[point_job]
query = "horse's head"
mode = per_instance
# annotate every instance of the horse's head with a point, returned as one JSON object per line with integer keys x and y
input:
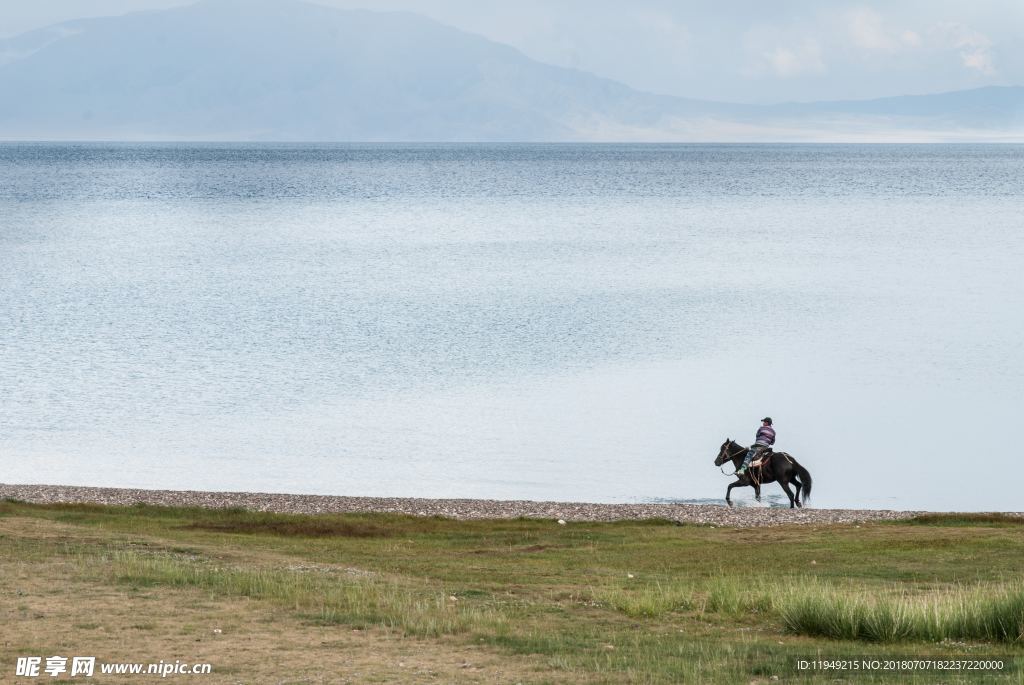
{"x": 723, "y": 452}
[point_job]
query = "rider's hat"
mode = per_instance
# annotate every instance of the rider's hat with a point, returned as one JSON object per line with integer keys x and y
{"x": 767, "y": 420}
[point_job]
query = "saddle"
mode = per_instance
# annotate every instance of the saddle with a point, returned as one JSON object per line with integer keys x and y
{"x": 762, "y": 457}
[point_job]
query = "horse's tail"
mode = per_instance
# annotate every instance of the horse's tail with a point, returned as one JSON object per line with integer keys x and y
{"x": 805, "y": 479}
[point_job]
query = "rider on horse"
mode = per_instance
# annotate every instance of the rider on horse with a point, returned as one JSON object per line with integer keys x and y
{"x": 764, "y": 439}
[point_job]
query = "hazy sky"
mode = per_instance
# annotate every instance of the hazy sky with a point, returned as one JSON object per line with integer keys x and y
{"x": 738, "y": 50}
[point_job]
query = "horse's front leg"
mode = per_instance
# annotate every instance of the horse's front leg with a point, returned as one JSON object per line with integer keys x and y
{"x": 757, "y": 491}
{"x": 729, "y": 490}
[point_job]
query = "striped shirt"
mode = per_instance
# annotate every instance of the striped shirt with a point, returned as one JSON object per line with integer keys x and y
{"x": 765, "y": 436}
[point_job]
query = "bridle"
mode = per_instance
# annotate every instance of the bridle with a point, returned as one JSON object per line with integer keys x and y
{"x": 729, "y": 457}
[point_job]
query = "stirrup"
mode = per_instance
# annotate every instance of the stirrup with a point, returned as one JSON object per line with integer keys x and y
{"x": 741, "y": 470}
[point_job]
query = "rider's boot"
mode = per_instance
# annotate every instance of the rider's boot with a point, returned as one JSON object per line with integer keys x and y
{"x": 746, "y": 463}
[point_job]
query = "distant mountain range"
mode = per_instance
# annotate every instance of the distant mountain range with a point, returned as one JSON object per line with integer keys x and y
{"x": 287, "y": 70}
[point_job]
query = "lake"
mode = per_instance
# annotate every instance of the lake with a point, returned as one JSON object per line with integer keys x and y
{"x": 569, "y": 322}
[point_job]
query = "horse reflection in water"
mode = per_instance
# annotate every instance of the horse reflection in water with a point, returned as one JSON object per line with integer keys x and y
{"x": 777, "y": 467}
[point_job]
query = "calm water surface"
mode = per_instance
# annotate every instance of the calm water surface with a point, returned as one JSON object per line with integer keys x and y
{"x": 538, "y": 321}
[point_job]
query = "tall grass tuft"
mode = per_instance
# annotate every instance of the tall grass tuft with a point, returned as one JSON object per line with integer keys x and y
{"x": 648, "y": 600}
{"x": 993, "y": 613}
{"x": 729, "y": 595}
{"x": 735, "y": 596}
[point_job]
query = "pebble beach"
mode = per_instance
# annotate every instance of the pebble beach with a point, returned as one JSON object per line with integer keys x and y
{"x": 698, "y": 514}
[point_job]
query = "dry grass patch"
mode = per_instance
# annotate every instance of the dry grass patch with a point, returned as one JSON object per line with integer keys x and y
{"x": 53, "y": 603}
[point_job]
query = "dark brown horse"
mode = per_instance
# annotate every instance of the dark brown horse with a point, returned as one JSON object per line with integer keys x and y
{"x": 779, "y": 467}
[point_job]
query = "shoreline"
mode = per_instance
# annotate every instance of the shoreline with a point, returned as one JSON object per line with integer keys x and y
{"x": 283, "y": 503}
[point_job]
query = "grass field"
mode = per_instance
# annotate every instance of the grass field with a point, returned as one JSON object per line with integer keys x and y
{"x": 270, "y": 598}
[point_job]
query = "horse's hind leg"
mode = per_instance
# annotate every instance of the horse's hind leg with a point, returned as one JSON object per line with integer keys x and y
{"x": 792, "y": 499}
{"x": 796, "y": 497}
